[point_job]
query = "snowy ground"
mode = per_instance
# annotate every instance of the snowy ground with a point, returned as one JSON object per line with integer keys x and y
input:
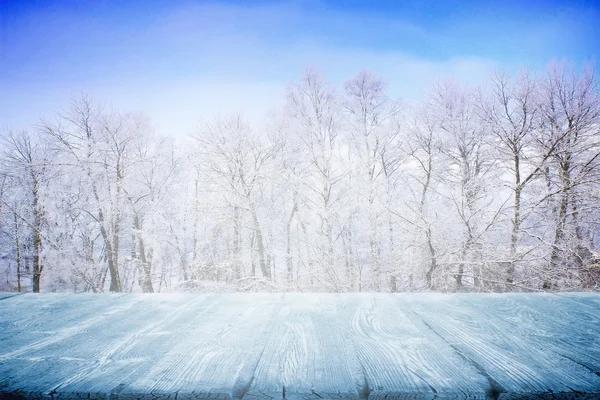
{"x": 307, "y": 346}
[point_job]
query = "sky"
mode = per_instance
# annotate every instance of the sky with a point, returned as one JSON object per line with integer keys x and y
{"x": 182, "y": 62}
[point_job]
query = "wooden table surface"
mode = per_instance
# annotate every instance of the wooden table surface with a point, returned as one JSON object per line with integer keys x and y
{"x": 300, "y": 346}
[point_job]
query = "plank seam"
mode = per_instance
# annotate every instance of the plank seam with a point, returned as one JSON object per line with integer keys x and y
{"x": 495, "y": 388}
{"x": 14, "y": 295}
{"x": 247, "y": 375}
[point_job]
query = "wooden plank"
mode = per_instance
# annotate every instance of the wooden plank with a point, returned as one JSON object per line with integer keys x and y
{"x": 123, "y": 348}
{"x": 589, "y": 299}
{"x": 308, "y": 353}
{"x": 500, "y": 348}
{"x": 91, "y": 345}
{"x": 399, "y": 357}
{"x": 219, "y": 350}
{"x": 30, "y": 317}
{"x": 251, "y": 346}
{"x": 545, "y": 322}
{"x": 41, "y": 321}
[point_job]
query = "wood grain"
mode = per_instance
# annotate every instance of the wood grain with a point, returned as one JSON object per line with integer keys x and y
{"x": 300, "y": 346}
{"x": 307, "y": 353}
{"x": 400, "y": 356}
{"x": 510, "y": 337}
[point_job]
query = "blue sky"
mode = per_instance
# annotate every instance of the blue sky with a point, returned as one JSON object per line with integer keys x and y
{"x": 184, "y": 61}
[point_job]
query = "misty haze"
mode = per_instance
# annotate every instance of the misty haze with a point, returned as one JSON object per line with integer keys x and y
{"x": 425, "y": 179}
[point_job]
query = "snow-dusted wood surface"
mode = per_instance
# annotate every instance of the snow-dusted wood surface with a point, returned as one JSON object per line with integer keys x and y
{"x": 300, "y": 346}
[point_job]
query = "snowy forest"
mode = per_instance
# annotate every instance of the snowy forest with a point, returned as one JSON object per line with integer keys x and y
{"x": 344, "y": 188}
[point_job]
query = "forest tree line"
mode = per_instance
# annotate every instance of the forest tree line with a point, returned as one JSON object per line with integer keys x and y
{"x": 345, "y": 188}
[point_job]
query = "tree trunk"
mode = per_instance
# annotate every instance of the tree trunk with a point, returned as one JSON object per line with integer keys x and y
{"x": 37, "y": 238}
{"x": 560, "y": 225}
{"x": 183, "y": 263}
{"x": 18, "y": 255}
{"x": 308, "y": 252}
{"x": 461, "y": 266}
{"x": 260, "y": 246}
{"x": 347, "y": 275}
{"x": 236, "y": 243}
{"x": 113, "y": 266}
{"x": 146, "y": 267}
{"x": 270, "y": 258}
{"x": 558, "y": 236}
{"x": 391, "y": 249}
{"x": 252, "y": 256}
{"x": 113, "y": 269}
{"x": 428, "y": 233}
{"x": 351, "y": 264}
{"x": 195, "y": 235}
{"x": 516, "y": 226}
{"x": 516, "y": 222}
{"x": 289, "y": 265}
{"x": 393, "y": 284}
{"x": 373, "y": 247}
{"x": 433, "y": 260}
